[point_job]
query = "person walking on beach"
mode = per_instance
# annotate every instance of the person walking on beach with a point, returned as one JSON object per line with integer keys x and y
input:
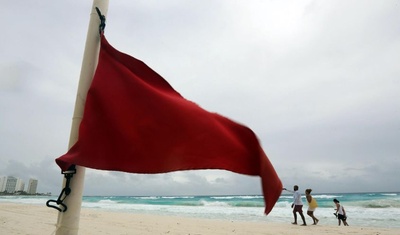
{"x": 297, "y": 204}
{"x": 340, "y": 213}
{"x": 312, "y": 205}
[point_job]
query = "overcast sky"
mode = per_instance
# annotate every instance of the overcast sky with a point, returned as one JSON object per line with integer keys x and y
{"x": 317, "y": 81}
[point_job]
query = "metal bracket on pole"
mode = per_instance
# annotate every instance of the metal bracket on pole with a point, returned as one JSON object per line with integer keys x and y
{"x": 64, "y": 192}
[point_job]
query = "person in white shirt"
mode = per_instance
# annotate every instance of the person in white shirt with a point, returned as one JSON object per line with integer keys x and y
{"x": 297, "y": 204}
{"x": 340, "y": 213}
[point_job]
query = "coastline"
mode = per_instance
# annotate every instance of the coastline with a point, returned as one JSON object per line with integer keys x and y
{"x": 33, "y": 219}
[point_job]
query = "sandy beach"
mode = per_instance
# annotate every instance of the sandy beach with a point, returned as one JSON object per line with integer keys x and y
{"x": 33, "y": 219}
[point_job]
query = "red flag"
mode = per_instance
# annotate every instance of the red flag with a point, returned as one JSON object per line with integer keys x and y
{"x": 134, "y": 121}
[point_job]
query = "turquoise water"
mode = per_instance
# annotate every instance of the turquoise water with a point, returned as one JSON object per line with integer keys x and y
{"x": 363, "y": 209}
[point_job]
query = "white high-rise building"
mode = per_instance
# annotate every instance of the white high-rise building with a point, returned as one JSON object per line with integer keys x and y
{"x": 11, "y": 184}
{"x": 3, "y": 181}
{"x": 32, "y": 186}
{"x": 20, "y": 186}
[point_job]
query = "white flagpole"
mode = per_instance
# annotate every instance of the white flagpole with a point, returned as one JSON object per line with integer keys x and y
{"x": 68, "y": 221}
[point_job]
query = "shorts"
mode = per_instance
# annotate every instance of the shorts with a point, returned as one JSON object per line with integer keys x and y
{"x": 298, "y": 208}
{"x": 311, "y": 209}
{"x": 342, "y": 217}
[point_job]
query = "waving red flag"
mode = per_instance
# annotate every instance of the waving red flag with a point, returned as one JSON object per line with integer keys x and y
{"x": 134, "y": 121}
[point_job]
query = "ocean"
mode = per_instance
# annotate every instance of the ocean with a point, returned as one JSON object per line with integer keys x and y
{"x": 363, "y": 209}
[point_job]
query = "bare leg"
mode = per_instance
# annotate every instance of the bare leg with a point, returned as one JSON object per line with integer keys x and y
{"x": 316, "y": 220}
{"x": 311, "y": 214}
{"x": 302, "y": 217}
{"x": 295, "y": 217}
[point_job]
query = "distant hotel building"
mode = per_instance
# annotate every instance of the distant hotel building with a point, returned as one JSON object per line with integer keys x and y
{"x": 3, "y": 180}
{"x": 32, "y": 186}
{"x": 20, "y": 185}
{"x": 11, "y": 184}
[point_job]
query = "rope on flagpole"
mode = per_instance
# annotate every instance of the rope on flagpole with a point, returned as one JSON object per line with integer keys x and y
{"x": 102, "y": 21}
